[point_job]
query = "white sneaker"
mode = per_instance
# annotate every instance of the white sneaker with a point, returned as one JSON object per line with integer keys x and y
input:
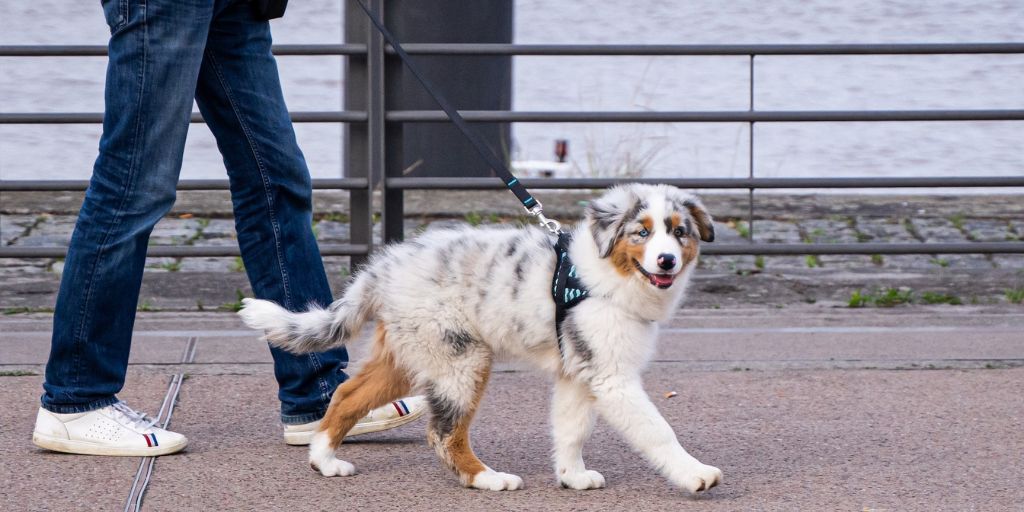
{"x": 392, "y": 415}
{"x": 113, "y": 430}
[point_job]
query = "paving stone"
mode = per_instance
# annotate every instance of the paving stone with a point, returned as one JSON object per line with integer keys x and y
{"x": 883, "y": 230}
{"x": 173, "y": 231}
{"x": 207, "y": 265}
{"x": 332, "y": 232}
{"x": 936, "y": 230}
{"x": 14, "y": 226}
{"x": 772, "y": 231}
{"x": 983, "y": 230}
{"x": 160, "y": 264}
{"x": 1008, "y": 261}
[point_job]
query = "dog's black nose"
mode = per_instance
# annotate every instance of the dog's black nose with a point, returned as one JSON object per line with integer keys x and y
{"x": 666, "y": 261}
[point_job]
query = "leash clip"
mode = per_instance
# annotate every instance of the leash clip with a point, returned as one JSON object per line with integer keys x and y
{"x": 552, "y": 225}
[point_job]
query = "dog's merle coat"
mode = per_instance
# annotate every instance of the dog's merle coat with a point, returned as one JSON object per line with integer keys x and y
{"x": 451, "y": 301}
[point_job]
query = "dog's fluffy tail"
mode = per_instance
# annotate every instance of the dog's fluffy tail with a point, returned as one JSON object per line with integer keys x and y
{"x": 316, "y": 329}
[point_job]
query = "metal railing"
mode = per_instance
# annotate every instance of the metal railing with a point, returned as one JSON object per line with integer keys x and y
{"x": 381, "y": 128}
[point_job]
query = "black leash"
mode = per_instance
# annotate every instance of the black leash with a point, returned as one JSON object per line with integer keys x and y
{"x": 532, "y": 205}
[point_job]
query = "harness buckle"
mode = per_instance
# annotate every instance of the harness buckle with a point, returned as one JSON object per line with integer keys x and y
{"x": 552, "y": 225}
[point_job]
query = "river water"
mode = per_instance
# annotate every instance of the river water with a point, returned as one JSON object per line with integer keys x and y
{"x": 617, "y": 83}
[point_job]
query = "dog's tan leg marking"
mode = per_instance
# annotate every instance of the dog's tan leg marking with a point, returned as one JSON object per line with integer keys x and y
{"x": 448, "y": 433}
{"x": 380, "y": 381}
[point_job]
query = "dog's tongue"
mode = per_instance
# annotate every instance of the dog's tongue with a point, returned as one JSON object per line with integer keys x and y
{"x": 661, "y": 280}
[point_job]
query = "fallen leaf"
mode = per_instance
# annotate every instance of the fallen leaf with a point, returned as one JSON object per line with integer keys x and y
{"x": 670, "y": 394}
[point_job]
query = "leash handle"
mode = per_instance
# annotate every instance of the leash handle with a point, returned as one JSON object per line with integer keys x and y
{"x": 532, "y": 206}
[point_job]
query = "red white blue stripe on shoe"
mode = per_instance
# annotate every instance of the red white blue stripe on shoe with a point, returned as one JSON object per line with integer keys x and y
{"x": 151, "y": 440}
{"x": 401, "y": 407}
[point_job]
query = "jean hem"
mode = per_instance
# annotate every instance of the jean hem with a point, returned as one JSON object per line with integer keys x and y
{"x": 74, "y": 409}
{"x": 299, "y": 419}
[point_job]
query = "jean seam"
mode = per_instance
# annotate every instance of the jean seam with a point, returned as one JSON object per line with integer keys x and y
{"x": 263, "y": 177}
{"x": 129, "y": 188}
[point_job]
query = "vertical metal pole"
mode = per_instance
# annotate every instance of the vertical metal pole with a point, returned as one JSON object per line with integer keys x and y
{"x": 392, "y": 161}
{"x": 375, "y": 124}
{"x": 393, "y": 207}
{"x": 750, "y": 158}
{"x": 356, "y": 143}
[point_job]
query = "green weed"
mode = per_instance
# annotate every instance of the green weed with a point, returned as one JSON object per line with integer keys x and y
{"x": 940, "y": 298}
{"x": 1015, "y": 295}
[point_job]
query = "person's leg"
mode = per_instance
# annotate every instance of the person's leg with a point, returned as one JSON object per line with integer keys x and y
{"x": 156, "y": 48}
{"x": 239, "y": 95}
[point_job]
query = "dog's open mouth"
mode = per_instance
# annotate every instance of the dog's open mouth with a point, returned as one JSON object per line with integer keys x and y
{"x": 660, "y": 280}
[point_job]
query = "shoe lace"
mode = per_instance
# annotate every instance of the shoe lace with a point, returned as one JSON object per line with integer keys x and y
{"x": 135, "y": 418}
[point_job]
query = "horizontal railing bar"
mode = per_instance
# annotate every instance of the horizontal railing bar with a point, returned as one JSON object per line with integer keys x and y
{"x": 578, "y": 49}
{"x": 175, "y": 251}
{"x": 771, "y": 249}
{"x": 344, "y": 116}
{"x": 492, "y": 116}
{"x": 78, "y": 185}
{"x": 766, "y": 249}
{"x": 744, "y": 116}
{"x": 576, "y": 183}
{"x": 64, "y": 50}
{"x": 711, "y": 49}
{"x": 741, "y": 183}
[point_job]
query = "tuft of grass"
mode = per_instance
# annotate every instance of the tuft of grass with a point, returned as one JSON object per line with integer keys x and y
{"x": 17, "y": 373}
{"x": 957, "y": 220}
{"x": 942, "y": 262}
{"x": 235, "y": 306}
{"x": 1015, "y": 295}
{"x": 494, "y": 218}
{"x": 940, "y": 298}
{"x": 759, "y": 262}
{"x": 742, "y": 228}
{"x": 474, "y": 218}
{"x": 877, "y": 259}
{"x": 21, "y": 310}
{"x": 886, "y": 298}
{"x": 173, "y": 266}
{"x": 146, "y": 306}
{"x": 238, "y": 265}
{"x": 336, "y": 217}
{"x": 812, "y": 261}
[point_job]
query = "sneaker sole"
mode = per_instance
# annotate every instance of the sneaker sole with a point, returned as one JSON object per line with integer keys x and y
{"x": 304, "y": 438}
{"x": 87, "y": 448}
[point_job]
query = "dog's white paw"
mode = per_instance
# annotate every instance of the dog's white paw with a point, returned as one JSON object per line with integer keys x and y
{"x": 333, "y": 467}
{"x": 582, "y": 480}
{"x": 491, "y": 480}
{"x": 701, "y": 478}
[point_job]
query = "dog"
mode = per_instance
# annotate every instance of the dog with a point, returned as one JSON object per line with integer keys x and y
{"x": 450, "y": 301}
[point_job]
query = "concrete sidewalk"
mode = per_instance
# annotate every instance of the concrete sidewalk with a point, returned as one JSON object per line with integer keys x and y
{"x": 803, "y": 409}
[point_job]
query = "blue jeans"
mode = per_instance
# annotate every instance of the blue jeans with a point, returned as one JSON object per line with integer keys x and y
{"x": 164, "y": 53}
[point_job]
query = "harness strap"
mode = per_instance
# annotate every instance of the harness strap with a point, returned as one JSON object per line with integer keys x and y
{"x": 566, "y": 288}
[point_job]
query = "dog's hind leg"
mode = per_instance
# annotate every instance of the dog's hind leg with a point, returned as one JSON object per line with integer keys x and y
{"x": 380, "y": 381}
{"x": 572, "y": 422}
{"x": 453, "y": 399}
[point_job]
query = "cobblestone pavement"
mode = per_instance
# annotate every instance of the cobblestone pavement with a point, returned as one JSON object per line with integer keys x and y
{"x": 203, "y": 219}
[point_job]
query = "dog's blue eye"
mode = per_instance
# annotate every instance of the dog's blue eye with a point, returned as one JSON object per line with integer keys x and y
{"x": 643, "y": 233}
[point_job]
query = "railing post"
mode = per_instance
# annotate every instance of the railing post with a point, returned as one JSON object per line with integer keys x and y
{"x": 358, "y": 142}
{"x": 393, "y": 206}
{"x": 750, "y": 158}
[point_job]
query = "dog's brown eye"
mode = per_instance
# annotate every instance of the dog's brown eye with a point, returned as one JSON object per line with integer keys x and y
{"x": 679, "y": 232}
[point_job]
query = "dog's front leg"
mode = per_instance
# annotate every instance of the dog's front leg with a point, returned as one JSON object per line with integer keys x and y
{"x": 572, "y": 421}
{"x": 624, "y": 404}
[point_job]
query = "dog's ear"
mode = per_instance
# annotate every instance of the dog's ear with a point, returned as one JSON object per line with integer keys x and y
{"x": 705, "y": 224}
{"x": 607, "y": 214}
